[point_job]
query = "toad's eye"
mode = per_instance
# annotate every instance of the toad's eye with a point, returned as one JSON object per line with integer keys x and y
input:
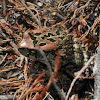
{"x": 75, "y": 42}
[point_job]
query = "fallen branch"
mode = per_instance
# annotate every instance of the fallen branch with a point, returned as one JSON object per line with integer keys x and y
{"x": 50, "y": 72}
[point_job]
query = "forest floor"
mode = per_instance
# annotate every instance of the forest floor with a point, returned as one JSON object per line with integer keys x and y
{"x": 24, "y": 78}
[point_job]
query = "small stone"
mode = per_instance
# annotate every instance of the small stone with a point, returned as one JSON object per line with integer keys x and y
{"x": 40, "y": 4}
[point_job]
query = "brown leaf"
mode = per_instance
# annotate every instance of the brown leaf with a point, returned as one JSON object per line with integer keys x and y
{"x": 27, "y": 42}
{"x": 11, "y": 57}
{"x": 85, "y": 98}
{"x": 44, "y": 90}
{"x": 38, "y": 30}
{"x": 57, "y": 62}
{"x": 85, "y": 40}
{"x": 49, "y": 47}
{"x": 86, "y": 46}
{"x": 74, "y": 97}
{"x": 56, "y": 76}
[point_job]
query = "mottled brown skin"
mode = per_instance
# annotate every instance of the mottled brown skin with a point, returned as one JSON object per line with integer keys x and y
{"x": 70, "y": 49}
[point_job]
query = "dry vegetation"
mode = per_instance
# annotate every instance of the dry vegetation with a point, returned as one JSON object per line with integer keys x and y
{"x": 22, "y": 78}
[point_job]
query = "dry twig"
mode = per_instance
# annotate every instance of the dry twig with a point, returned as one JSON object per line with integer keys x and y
{"x": 4, "y": 6}
{"x": 80, "y": 72}
{"x": 50, "y": 72}
{"x": 33, "y": 16}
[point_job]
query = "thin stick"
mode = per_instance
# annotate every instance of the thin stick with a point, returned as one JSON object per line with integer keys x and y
{"x": 80, "y": 72}
{"x": 31, "y": 13}
{"x": 4, "y": 6}
{"x": 50, "y": 72}
{"x": 78, "y": 9}
{"x": 11, "y": 43}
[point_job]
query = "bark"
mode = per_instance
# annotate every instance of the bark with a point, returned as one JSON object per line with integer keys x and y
{"x": 96, "y": 72}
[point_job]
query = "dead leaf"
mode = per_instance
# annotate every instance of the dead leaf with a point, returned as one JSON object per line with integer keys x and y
{"x": 49, "y": 47}
{"x": 27, "y": 42}
{"x": 38, "y": 31}
{"x": 57, "y": 62}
